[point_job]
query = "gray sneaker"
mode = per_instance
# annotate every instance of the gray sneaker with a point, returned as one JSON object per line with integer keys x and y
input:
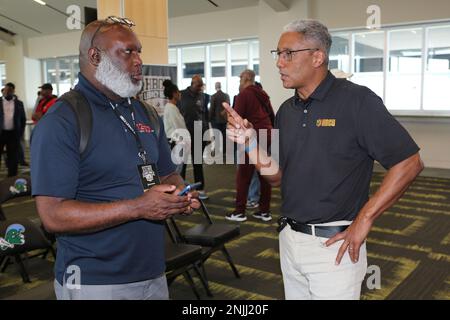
{"x": 251, "y": 204}
{"x": 264, "y": 216}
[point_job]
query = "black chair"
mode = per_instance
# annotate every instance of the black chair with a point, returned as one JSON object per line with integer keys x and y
{"x": 211, "y": 236}
{"x": 180, "y": 259}
{"x": 11, "y": 188}
{"x": 21, "y": 236}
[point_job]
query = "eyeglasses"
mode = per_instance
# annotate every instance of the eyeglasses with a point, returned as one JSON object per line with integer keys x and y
{"x": 287, "y": 54}
{"x": 112, "y": 20}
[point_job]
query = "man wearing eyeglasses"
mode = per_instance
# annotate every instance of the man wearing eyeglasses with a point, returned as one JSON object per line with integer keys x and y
{"x": 330, "y": 133}
{"x": 107, "y": 205}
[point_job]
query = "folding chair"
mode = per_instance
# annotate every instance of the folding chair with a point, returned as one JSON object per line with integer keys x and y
{"x": 19, "y": 236}
{"x": 211, "y": 236}
{"x": 180, "y": 258}
{"x": 11, "y": 188}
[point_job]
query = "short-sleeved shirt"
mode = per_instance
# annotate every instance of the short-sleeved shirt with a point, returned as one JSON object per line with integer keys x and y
{"x": 328, "y": 144}
{"x": 107, "y": 172}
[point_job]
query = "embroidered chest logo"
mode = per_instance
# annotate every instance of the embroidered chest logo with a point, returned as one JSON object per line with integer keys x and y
{"x": 326, "y": 123}
{"x": 142, "y": 128}
{"x": 14, "y": 237}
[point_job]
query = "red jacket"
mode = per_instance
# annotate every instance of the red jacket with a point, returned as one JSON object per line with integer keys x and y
{"x": 44, "y": 104}
{"x": 254, "y": 105}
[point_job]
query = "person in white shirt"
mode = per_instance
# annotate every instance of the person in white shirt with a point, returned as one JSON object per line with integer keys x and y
{"x": 173, "y": 122}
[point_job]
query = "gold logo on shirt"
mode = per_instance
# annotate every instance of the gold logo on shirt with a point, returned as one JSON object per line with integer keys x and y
{"x": 326, "y": 122}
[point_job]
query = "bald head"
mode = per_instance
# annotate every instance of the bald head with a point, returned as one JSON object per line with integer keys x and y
{"x": 100, "y": 34}
{"x": 197, "y": 83}
{"x": 110, "y": 53}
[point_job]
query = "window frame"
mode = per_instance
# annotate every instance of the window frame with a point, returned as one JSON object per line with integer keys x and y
{"x": 425, "y": 26}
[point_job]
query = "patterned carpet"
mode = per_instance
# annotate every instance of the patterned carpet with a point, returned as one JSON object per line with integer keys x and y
{"x": 409, "y": 244}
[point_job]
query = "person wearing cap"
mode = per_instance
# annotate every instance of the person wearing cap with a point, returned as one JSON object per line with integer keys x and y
{"x": 47, "y": 100}
{"x": 330, "y": 133}
{"x": 12, "y": 125}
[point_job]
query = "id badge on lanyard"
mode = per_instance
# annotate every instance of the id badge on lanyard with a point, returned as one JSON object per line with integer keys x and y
{"x": 149, "y": 175}
{"x": 148, "y": 172}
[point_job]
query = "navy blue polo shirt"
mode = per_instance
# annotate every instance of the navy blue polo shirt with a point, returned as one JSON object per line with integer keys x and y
{"x": 328, "y": 144}
{"x": 130, "y": 252}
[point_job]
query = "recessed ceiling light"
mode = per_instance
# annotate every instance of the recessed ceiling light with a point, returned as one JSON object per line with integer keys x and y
{"x": 42, "y": 3}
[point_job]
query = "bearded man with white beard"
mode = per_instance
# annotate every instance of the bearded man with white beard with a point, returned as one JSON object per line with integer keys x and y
{"x": 108, "y": 221}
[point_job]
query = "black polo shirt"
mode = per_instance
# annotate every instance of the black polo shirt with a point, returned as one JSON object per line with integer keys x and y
{"x": 327, "y": 148}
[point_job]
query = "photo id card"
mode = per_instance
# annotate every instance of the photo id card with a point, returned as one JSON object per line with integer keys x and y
{"x": 149, "y": 175}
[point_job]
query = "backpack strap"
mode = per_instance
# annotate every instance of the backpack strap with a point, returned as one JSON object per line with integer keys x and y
{"x": 80, "y": 106}
{"x": 83, "y": 113}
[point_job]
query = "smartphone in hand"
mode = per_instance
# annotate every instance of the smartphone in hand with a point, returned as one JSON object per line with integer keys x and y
{"x": 190, "y": 187}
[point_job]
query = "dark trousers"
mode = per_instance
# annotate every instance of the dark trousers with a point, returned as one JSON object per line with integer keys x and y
{"x": 22, "y": 151}
{"x": 244, "y": 177}
{"x": 198, "y": 168}
{"x": 10, "y": 139}
{"x": 222, "y": 128}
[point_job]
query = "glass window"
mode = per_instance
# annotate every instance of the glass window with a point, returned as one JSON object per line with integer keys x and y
{"x": 62, "y": 73}
{"x": 239, "y": 62}
{"x": 193, "y": 59}
{"x": 51, "y": 76}
{"x": 404, "y": 69}
{"x": 368, "y": 60}
{"x": 437, "y": 72}
{"x": 172, "y": 56}
{"x": 218, "y": 59}
{"x": 216, "y": 62}
{"x": 416, "y": 74}
{"x": 65, "y": 75}
{"x": 76, "y": 70}
{"x": 2, "y": 74}
{"x": 340, "y": 52}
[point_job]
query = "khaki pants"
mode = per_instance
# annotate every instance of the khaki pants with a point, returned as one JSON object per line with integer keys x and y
{"x": 153, "y": 289}
{"x": 309, "y": 270}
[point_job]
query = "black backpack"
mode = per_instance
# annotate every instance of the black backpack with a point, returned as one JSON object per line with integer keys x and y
{"x": 80, "y": 106}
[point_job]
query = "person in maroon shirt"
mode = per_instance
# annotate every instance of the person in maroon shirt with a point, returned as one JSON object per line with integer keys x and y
{"x": 253, "y": 104}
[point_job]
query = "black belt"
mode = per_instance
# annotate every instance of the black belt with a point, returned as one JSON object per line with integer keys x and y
{"x": 320, "y": 231}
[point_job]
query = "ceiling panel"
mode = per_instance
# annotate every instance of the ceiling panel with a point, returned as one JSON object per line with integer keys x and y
{"x": 189, "y": 7}
{"x": 30, "y": 19}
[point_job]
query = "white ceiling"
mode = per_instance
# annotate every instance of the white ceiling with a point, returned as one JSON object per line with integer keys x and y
{"x": 189, "y": 7}
{"x": 41, "y": 20}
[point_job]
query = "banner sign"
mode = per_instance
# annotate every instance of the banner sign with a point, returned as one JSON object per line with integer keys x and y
{"x": 152, "y": 88}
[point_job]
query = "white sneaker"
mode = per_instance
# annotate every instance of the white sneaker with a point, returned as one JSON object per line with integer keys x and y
{"x": 235, "y": 216}
{"x": 264, "y": 216}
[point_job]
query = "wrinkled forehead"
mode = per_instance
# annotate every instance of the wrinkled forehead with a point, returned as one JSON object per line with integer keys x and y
{"x": 290, "y": 39}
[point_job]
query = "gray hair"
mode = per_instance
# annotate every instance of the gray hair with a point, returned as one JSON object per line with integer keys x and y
{"x": 218, "y": 85}
{"x": 314, "y": 31}
{"x": 249, "y": 75}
